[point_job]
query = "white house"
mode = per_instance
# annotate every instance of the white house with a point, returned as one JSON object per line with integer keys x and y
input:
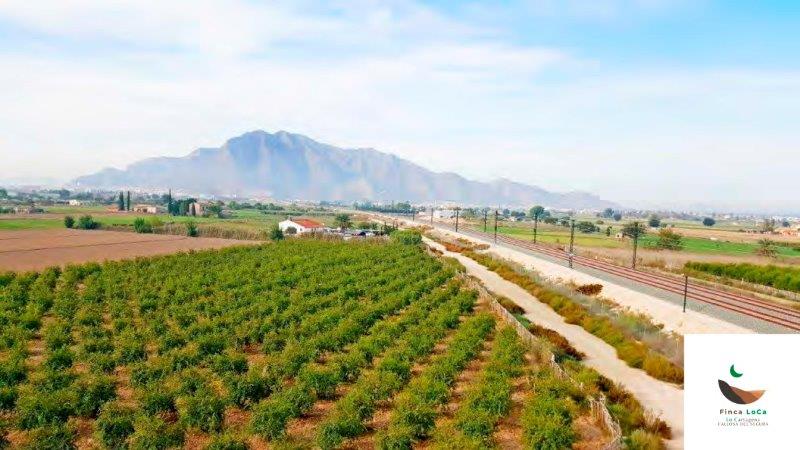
{"x": 444, "y": 214}
{"x": 74, "y": 202}
{"x": 301, "y": 226}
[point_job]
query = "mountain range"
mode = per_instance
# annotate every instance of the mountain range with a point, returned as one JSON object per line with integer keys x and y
{"x": 290, "y": 166}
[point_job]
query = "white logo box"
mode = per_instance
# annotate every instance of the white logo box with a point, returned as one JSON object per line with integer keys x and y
{"x": 769, "y": 362}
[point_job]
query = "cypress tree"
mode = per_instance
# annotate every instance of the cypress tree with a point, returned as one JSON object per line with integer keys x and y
{"x": 121, "y": 202}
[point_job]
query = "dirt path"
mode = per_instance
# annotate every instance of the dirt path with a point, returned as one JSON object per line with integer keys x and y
{"x": 664, "y": 399}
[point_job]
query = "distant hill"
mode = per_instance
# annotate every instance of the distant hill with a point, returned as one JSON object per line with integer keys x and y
{"x": 291, "y": 166}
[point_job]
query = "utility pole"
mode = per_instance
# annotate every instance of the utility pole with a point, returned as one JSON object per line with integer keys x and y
{"x": 457, "y": 210}
{"x": 535, "y": 226}
{"x": 495, "y": 226}
{"x": 685, "y": 290}
{"x": 571, "y": 240}
{"x": 485, "y": 219}
{"x": 635, "y": 243}
{"x": 431, "y": 215}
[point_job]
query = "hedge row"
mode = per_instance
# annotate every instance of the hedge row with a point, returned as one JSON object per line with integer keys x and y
{"x": 633, "y": 352}
{"x": 778, "y": 277}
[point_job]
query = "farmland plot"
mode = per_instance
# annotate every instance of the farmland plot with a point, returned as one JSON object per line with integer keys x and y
{"x": 302, "y": 343}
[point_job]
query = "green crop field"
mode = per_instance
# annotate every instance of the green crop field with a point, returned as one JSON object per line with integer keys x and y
{"x": 242, "y": 346}
{"x": 242, "y": 224}
{"x": 560, "y": 236}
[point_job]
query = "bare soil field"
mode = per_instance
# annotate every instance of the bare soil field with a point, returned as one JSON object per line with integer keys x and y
{"x": 37, "y": 249}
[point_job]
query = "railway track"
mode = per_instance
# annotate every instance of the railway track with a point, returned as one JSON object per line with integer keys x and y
{"x": 742, "y": 304}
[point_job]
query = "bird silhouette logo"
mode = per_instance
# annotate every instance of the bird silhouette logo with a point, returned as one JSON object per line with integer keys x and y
{"x": 737, "y": 395}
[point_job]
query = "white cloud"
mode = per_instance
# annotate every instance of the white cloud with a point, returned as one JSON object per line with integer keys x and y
{"x": 396, "y": 76}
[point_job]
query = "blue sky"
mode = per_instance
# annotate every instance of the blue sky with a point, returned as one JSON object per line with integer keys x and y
{"x": 649, "y": 103}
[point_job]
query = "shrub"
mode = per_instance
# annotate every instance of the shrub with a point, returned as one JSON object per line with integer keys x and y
{"x": 407, "y": 237}
{"x": 203, "y": 410}
{"x": 57, "y": 436}
{"x": 87, "y": 223}
{"x": 115, "y": 424}
{"x": 642, "y": 440}
{"x": 275, "y": 233}
{"x": 590, "y": 289}
{"x": 69, "y": 221}
{"x": 8, "y": 398}
{"x": 142, "y": 226}
{"x": 155, "y": 399}
{"x": 247, "y": 389}
{"x": 59, "y": 359}
{"x": 227, "y": 441}
{"x": 153, "y": 433}
{"x": 38, "y": 409}
{"x": 12, "y": 371}
{"x": 191, "y": 229}
{"x": 92, "y": 392}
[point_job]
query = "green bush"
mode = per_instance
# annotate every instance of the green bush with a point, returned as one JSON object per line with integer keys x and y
{"x": 203, "y": 410}
{"x": 115, "y": 424}
{"x": 92, "y": 392}
{"x": 87, "y": 223}
{"x": 8, "y": 398}
{"x": 69, "y": 221}
{"x": 191, "y": 229}
{"x": 642, "y": 440}
{"x": 227, "y": 441}
{"x": 37, "y": 409}
{"x": 57, "y": 436}
{"x": 141, "y": 226}
{"x": 59, "y": 359}
{"x": 406, "y": 237}
{"x": 153, "y": 433}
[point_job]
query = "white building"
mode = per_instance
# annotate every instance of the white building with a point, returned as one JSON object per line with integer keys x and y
{"x": 301, "y": 226}
{"x": 444, "y": 214}
{"x": 74, "y": 202}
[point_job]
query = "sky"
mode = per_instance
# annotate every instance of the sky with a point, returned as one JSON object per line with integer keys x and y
{"x": 649, "y": 103}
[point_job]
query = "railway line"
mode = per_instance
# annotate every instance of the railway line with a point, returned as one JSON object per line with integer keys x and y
{"x": 750, "y": 306}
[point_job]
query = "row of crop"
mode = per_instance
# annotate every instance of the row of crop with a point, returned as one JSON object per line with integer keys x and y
{"x": 416, "y": 408}
{"x": 320, "y": 380}
{"x": 184, "y": 351}
{"x": 634, "y": 352}
{"x": 778, "y": 277}
{"x": 488, "y": 398}
{"x": 388, "y": 376}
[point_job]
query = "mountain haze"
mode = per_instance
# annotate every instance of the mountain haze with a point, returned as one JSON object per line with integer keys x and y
{"x": 291, "y": 166}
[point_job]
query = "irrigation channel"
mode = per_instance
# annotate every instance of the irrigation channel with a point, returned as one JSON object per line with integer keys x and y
{"x": 750, "y": 306}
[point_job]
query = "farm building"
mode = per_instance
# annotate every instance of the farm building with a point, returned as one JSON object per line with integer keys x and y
{"x": 148, "y": 209}
{"x": 74, "y": 202}
{"x": 301, "y": 226}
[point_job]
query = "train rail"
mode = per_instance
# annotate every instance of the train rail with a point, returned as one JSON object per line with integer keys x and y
{"x": 750, "y": 306}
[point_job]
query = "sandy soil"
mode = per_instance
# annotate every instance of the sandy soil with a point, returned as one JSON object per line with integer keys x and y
{"x": 663, "y": 399}
{"x": 37, "y": 249}
{"x": 663, "y": 312}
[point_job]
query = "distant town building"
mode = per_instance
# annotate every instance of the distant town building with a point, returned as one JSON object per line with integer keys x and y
{"x": 301, "y": 226}
{"x": 74, "y": 202}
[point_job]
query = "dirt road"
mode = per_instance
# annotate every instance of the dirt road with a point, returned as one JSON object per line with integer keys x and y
{"x": 663, "y": 399}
